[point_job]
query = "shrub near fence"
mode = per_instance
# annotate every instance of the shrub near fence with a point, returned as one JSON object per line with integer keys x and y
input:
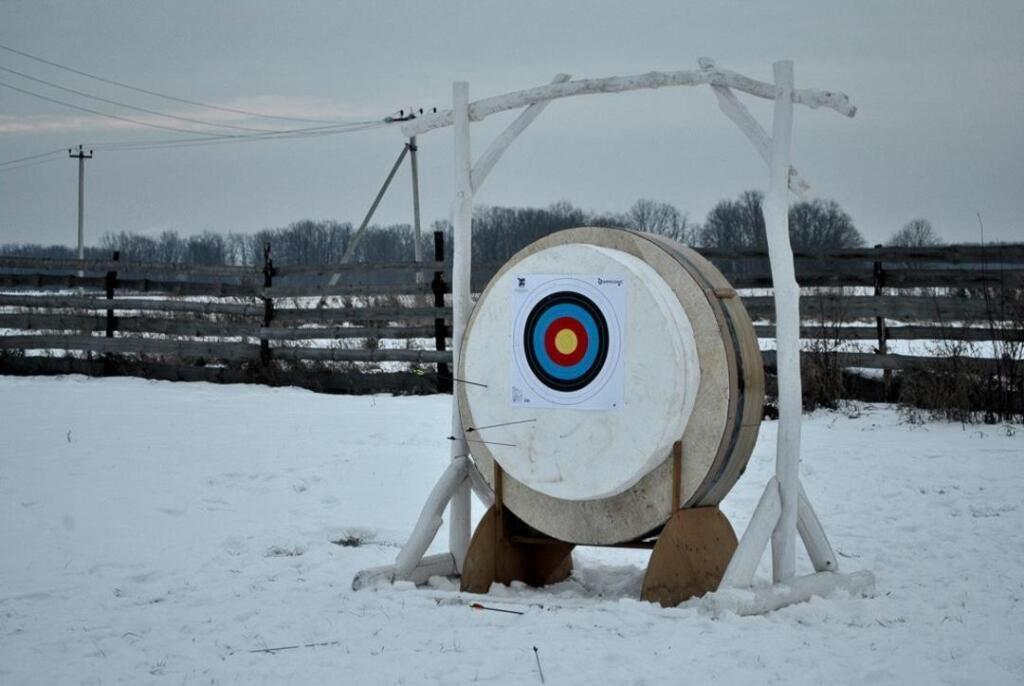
{"x": 339, "y": 328}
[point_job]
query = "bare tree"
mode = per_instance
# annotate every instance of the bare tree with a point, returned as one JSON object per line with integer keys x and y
{"x": 661, "y": 218}
{"x": 917, "y": 233}
{"x": 736, "y": 223}
{"x": 822, "y": 225}
{"x": 814, "y": 225}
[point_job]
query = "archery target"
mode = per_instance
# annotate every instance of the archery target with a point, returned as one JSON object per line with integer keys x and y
{"x": 567, "y": 341}
{"x": 570, "y": 372}
{"x": 578, "y": 465}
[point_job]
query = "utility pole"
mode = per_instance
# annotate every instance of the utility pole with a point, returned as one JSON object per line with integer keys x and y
{"x": 81, "y": 156}
{"x": 412, "y": 149}
{"x": 408, "y": 149}
{"x": 417, "y": 247}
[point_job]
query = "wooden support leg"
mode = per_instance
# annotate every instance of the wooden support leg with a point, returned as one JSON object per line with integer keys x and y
{"x": 493, "y": 556}
{"x": 690, "y": 556}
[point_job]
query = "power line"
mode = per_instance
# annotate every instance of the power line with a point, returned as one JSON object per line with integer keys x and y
{"x": 102, "y": 114}
{"x": 240, "y": 138}
{"x": 203, "y": 139}
{"x": 30, "y": 164}
{"x": 285, "y": 133}
{"x": 213, "y": 139}
{"x": 32, "y": 157}
{"x": 164, "y": 95}
{"x": 132, "y": 107}
{"x": 141, "y": 146}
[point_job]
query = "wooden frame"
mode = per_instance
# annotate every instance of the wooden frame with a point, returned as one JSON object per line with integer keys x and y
{"x": 782, "y": 503}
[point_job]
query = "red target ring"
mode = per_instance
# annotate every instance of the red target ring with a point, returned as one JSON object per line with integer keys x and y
{"x": 560, "y": 329}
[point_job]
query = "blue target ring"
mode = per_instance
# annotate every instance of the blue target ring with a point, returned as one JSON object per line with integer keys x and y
{"x": 565, "y": 341}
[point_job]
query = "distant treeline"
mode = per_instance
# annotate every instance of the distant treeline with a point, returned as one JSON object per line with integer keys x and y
{"x": 498, "y": 232}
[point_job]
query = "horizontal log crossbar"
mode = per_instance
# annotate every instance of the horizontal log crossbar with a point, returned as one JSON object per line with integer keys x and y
{"x": 481, "y": 109}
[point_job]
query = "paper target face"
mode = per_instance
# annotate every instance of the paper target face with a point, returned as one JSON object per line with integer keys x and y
{"x": 567, "y": 341}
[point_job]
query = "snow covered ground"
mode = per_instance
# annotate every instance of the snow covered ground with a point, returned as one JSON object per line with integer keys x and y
{"x": 154, "y": 532}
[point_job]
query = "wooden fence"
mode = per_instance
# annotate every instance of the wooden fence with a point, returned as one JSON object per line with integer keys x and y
{"x": 320, "y": 326}
{"x": 339, "y": 328}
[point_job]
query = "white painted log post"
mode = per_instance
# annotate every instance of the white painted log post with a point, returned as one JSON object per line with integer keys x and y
{"x": 787, "y": 327}
{"x": 812, "y": 533}
{"x": 454, "y": 485}
{"x": 462, "y": 218}
{"x": 431, "y": 517}
{"x": 784, "y": 509}
{"x": 740, "y": 571}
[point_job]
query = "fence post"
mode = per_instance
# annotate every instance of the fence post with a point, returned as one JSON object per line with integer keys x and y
{"x": 883, "y": 333}
{"x": 268, "y": 302}
{"x": 111, "y": 284}
{"x": 444, "y": 380}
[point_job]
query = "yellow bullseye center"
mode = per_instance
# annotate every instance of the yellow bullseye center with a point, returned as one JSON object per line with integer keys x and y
{"x": 565, "y": 341}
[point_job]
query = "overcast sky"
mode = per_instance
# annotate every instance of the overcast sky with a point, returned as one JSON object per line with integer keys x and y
{"x": 939, "y": 85}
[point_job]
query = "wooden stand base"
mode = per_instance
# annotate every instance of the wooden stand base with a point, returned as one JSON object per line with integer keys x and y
{"x": 690, "y": 556}
{"x": 688, "y": 559}
{"x": 504, "y": 549}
